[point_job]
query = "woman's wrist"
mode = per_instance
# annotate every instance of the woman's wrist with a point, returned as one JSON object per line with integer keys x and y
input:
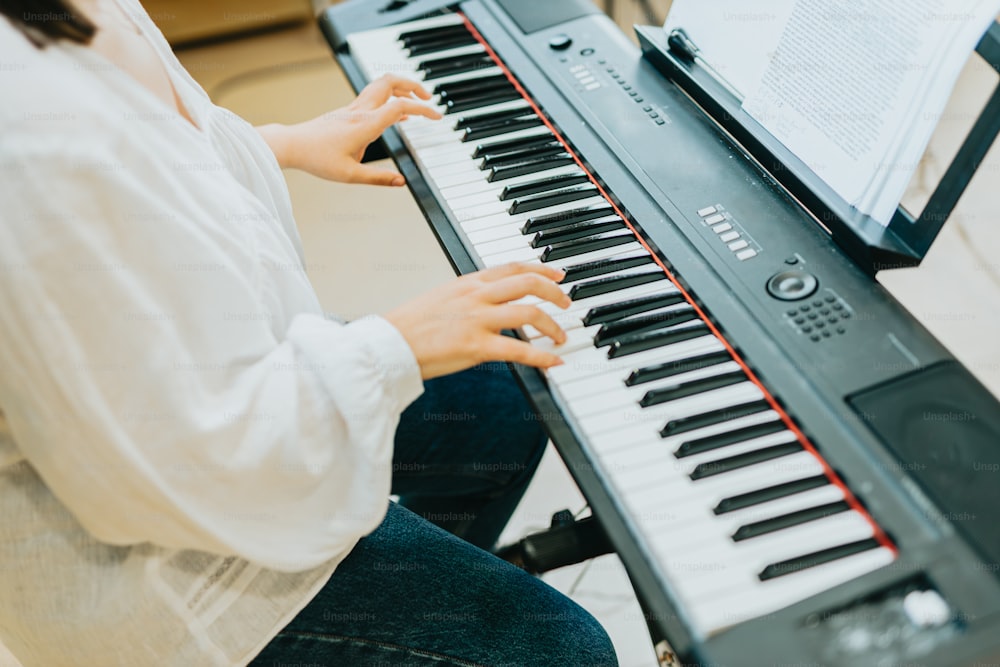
{"x": 280, "y": 139}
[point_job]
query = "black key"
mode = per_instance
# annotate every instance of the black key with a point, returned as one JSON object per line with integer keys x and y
{"x": 604, "y": 266}
{"x": 752, "y": 498}
{"x": 672, "y": 368}
{"x": 793, "y": 565}
{"x": 479, "y": 120}
{"x": 468, "y": 96}
{"x": 720, "y": 440}
{"x": 758, "y": 528}
{"x": 511, "y": 145}
{"x": 547, "y": 199}
{"x": 432, "y": 34}
{"x": 719, "y": 416}
{"x": 470, "y": 85}
{"x": 526, "y": 167}
{"x": 530, "y": 154}
{"x": 612, "y": 331}
{"x": 415, "y": 38}
{"x": 586, "y": 244}
{"x": 563, "y": 218}
{"x": 547, "y": 184}
{"x": 457, "y": 66}
{"x": 641, "y": 342}
{"x": 720, "y": 466}
{"x": 642, "y": 304}
{"x": 461, "y": 94}
{"x": 439, "y": 45}
{"x": 497, "y": 119}
{"x": 577, "y": 231}
{"x": 435, "y": 63}
{"x": 487, "y": 130}
{"x": 607, "y": 284}
{"x": 488, "y": 98}
{"x": 685, "y": 389}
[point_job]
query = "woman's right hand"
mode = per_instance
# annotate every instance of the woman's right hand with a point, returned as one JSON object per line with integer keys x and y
{"x": 457, "y": 326}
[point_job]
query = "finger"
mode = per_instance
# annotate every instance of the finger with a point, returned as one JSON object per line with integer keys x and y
{"x": 406, "y": 87}
{"x": 379, "y": 91}
{"x": 514, "y": 317}
{"x": 366, "y": 175}
{"x": 516, "y": 268}
{"x": 521, "y": 285}
{"x": 396, "y": 109}
{"x": 505, "y": 348}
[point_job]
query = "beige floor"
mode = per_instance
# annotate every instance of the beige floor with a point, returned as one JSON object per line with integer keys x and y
{"x": 378, "y": 239}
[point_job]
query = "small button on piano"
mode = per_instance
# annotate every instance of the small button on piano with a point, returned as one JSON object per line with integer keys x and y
{"x": 791, "y": 468}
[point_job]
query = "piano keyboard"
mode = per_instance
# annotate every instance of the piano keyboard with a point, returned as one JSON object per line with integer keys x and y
{"x": 742, "y": 513}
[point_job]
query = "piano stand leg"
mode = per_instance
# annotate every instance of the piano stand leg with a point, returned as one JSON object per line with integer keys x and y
{"x": 566, "y": 542}
{"x": 665, "y": 656}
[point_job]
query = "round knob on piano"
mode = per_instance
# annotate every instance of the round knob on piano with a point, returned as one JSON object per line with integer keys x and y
{"x": 560, "y": 42}
{"x": 792, "y": 285}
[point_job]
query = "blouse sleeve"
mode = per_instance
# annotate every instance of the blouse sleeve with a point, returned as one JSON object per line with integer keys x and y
{"x": 147, "y": 379}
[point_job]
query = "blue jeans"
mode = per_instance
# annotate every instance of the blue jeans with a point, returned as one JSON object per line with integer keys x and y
{"x": 417, "y": 594}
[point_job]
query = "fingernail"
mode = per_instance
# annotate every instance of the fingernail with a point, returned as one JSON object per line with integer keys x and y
{"x": 399, "y": 181}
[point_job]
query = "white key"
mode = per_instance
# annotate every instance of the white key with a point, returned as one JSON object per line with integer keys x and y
{"x": 608, "y": 391}
{"x": 575, "y": 340}
{"x": 645, "y": 486}
{"x": 453, "y": 78}
{"x": 582, "y": 367}
{"x": 425, "y": 126}
{"x": 478, "y": 206}
{"x": 501, "y": 245}
{"x": 572, "y": 317}
{"x": 718, "y": 565}
{"x": 696, "y": 515}
{"x": 640, "y": 489}
{"x": 461, "y": 152}
{"x": 636, "y": 449}
{"x": 471, "y": 223}
{"x": 482, "y": 186}
{"x": 495, "y": 188}
{"x": 592, "y": 424}
{"x": 580, "y": 307}
{"x": 721, "y": 611}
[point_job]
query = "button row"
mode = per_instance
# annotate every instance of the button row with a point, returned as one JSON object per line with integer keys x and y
{"x": 714, "y": 217}
{"x": 585, "y": 77}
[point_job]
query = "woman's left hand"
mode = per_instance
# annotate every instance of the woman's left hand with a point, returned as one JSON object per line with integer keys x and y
{"x": 331, "y": 146}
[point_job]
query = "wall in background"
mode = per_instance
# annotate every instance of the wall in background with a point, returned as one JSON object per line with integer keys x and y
{"x": 185, "y": 21}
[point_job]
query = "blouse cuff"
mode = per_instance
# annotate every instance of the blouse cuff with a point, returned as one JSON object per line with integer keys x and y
{"x": 394, "y": 358}
{"x": 380, "y": 349}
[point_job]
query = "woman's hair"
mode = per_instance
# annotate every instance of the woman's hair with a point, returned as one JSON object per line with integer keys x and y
{"x": 42, "y": 20}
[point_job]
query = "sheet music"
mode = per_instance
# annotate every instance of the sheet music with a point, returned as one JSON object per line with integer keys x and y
{"x": 853, "y": 88}
{"x": 736, "y": 37}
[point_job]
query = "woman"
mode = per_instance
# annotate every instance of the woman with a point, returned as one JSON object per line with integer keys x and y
{"x": 194, "y": 461}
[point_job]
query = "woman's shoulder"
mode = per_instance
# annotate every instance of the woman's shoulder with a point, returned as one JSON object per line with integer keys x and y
{"x": 49, "y": 94}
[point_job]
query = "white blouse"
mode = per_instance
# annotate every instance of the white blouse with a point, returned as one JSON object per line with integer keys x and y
{"x": 188, "y": 446}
